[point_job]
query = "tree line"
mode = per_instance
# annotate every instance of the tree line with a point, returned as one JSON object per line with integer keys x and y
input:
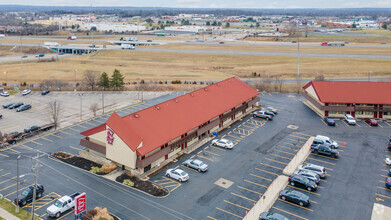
{"x": 93, "y": 79}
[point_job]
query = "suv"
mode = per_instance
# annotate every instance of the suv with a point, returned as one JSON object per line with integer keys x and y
{"x": 23, "y": 107}
{"x": 31, "y": 129}
{"x": 15, "y": 105}
{"x": 320, "y": 139}
{"x": 302, "y": 182}
{"x": 309, "y": 175}
{"x": 321, "y": 171}
{"x": 8, "y": 104}
{"x": 45, "y": 92}
{"x": 27, "y": 195}
{"x": 262, "y": 114}
{"x": 324, "y": 149}
{"x": 348, "y": 118}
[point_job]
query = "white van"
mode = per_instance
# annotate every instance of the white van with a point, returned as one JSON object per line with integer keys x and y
{"x": 320, "y": 139}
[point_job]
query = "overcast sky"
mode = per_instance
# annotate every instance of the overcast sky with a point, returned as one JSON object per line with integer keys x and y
{"x": 210, "y": 3}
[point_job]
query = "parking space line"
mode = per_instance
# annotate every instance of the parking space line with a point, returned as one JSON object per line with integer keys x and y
{"x": 75, "y": 148}
{"x": 82, "y": 126}
{"x": 302, "y": 133}
{"x": 296, "y": 205}
{"x": 74, "y": 129}
{"x": 384, "y": 176}
{"x": 190, "y": 168}
{"x": 292, "y": 144}
{"x": 13, "y": 150}
{"x": 296, "y": 140}
{"x": 56, "y": 136}
{"x": 205, "y": 158}
{"x": 96, "y": 119}
{"x": 4, "y": 174}
{"x": 32, "y": 141}
{"x": 211, "y": 153}
{"x": 366, "y": 124}
{"x": 260, "y": 177}
{"x": 323, "y": 121}
{"x": 387, "y": 123}
{"x": 217, "y": 148}
{"x": 310, "y": 158}
{"x": 287, "y": 148}
{"x": 22, "y": 145}
{"x": 229, "y": 213}
{"x": 65, "y": 132}
{"x": 281, "y": 156}
{"x": 276, "y": 161}
{"x": 285, "y": 152}
{"x": 70, "y": 212}
{"x": 243, "y": 197}
{"x": 343, "y": 121}
{"x": 384, "y": 170}
{"x": 255, "y": 183}
{"x": 381, "y": 181}
{"x": 46, "y": 139}
{"x": 383, "y": 188}
{"x": 380, "y": 125}
{"x": 323, "y": 156}
{"x": 236, "y": 138}
{"x": 236, "y": 205}
{"x": 4, "y": 155}
{"x": 304, "y": 190}
{"x": 89, "y": 123}
{"x": 289, "y": 213}
{"x": 266, "y": 171}
{"x": 271, "y": 166}
{"x": 19, "y": 190}
{"x": 241, "y": 187}
{"x": 359, "y": 125}
{"x": 8, "y": 180}
{"x": 298, "y": 136}
{"x": 212, "y": 218}
{"x": 383, "y": 196}
{"x": 4, "y": 188}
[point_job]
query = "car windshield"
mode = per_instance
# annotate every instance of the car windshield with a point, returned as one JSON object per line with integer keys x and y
{"x": 200, "y": 163}
{"x": 229, "y": 142}
{"x": 183, "y": 173}
{"x": 58, "y": 204}
{"x": 25, "y": 193}
{"x": 306, "y": 181}
{"x": 349, "y": 117}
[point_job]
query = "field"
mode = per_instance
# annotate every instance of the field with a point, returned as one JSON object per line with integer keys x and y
{"x": 186, "y": 66}
{"x": 322, "y": 38}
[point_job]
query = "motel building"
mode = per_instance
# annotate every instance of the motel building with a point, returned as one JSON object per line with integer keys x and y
{"x": 144, "y": 140}
{"x": 360, "y": 99}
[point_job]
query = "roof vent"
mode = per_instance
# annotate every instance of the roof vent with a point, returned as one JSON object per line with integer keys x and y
{"x": 192, "y": 94}
{"x": 218, "y": 84}
{"x": 176, "y": 100}
{"x": 206, "y": 89}
{"x": 136, "y": 115}
{"x": 157, "y": 108}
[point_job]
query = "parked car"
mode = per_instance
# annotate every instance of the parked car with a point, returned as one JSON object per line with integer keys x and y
{"x": 177, "y": 174}
{"x": 293, "y": 42}
{"x": 5, "y": 94}
{"x": 62, "y": 205}
{"x": 196, "y": 164}
{"x": 1, "y": 116}
{"x": 268, "y": 112}
{"x": 40, "y": 55}
{"x": 8, "y": 104}
{"x": 272, "y": 216}
{"x": 302, "y": 182}
{"x": 309, "y": 175}
{"x": 389, "y": 172}
{"x": 320, "y": 139}
{"x": 149, "y": 40}
{"x": 26, "y": 92}
{"x": 295, "y": 197}
{"x": 329, "y": 121}
{"x": 31, "y": 129}
{"x": 271, "y": 109}
{"x": 45, "y": 92}
{"x": 321, "y": 171}
{"x": 324, "y": 149}
{"x": 349, "y": 119}
{"x": 24, "y": 56}
{"x": 262, "y": 114}
{"x": 62, "y": 53}
{"x": 23, "y": 108}
{"x": 388, "y": 183}
{"x": 15, "y": 105}
{"x": 223, "y": 143}
{"x": 371, "y": 121}
{"x": 388, "y": 161}
{"x": 27, "y": 195}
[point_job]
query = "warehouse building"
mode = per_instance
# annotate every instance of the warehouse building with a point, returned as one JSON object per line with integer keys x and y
{"x": 143, "y": 140}
{"x": 360, "y": 99}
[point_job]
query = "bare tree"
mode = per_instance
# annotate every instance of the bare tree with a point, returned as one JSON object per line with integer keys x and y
{"x": 94, "y": 108}
{"x": 319, "y": 77}
{"x": 91, "y": 78}
{"x": 306, "y": 30}
{"x": 278, "y": 82}
{"x": 55, "y": 111}
{"x": 291, "y": 29}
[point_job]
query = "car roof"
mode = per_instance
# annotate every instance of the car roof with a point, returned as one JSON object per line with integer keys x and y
{"x": 179, "y": 170}
{"x": 197, "y": 161}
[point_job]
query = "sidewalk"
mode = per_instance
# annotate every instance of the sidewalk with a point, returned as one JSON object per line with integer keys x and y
{"x": 6, "y": 215}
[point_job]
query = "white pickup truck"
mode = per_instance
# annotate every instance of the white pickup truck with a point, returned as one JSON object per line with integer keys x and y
{"x": 62, "y": 205}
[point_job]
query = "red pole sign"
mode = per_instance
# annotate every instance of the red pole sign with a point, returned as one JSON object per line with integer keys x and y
{"x": 80, "y": 203}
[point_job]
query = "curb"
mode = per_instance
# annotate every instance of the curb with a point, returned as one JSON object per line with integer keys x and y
{"x": 299, "y": 158}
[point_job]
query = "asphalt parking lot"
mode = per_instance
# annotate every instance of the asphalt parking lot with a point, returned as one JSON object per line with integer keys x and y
{"x": 236, "y": 178}
{"x": 70, "y": 104}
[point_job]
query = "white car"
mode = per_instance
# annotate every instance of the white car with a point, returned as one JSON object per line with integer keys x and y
{"x": 223, "y": 143}
{"x": 177, "y": 174}
{"x": 348, "y": 118}
{"x": 26, "y": 92}
{"x": 5, "y": 94}
{"x": 388, "y": 161}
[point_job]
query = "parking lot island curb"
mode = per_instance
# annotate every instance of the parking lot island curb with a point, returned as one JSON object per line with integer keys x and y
{"x": 268, "y": 198}
{"x": 380, "y": 212}
{"x": 299, "y": 158}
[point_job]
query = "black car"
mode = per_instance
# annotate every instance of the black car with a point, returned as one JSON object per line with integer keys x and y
{"x": 31, "y": 129}
{"x": 295, "y": 197}
{"x": 27, "y": 195}
{"x": 1, "y": 116}
{"x": 329, "y": 121}
{"x": 15, "y": 105}
{"x": 272, "y": 216}
{"x": 324, "y": 149}
{"x": 8, "y": 104}
{"x": 23, "y": 107}
{"x": 45, "y": 92}
{"x": 302, "y": 182}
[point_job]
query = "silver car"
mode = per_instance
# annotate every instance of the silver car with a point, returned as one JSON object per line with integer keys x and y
{"x": 196, "y": 164}
{"x": 223, "y": 143}
{"x": 177, "y": 174}
{"x": 309, "y": 175}
{"x": 321, "y": 171}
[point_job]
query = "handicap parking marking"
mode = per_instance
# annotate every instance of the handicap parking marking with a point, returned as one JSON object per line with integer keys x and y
{"x": 241, "y": 217}
{"x": 242, "y": 131}
{"x": 236, "y": 205}
{"x": 241, "y": 187}
{"x": 45, "y": 200}
{"x": 233, "y": 134}
{"x": 168, "y": 183}
{"x": 243, "y": 197}
{"x": 235, "y": 137}
{"x": 250, "y": 127}
{"x": 289, "y": 213}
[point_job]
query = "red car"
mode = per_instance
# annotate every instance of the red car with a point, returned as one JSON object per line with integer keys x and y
{"x": 371, "y": 121}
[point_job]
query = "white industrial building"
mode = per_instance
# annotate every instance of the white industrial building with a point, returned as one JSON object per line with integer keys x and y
{"x": 113, "y": 27}
{"x": 193, "y": 29}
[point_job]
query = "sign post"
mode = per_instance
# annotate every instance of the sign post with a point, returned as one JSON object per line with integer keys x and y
{"x": 80, "y": 205}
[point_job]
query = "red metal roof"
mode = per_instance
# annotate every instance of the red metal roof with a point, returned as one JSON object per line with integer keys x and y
{"x": 95, "y": 130}
{"x": 352, "y": 92}
{"x": 162, "y": 123}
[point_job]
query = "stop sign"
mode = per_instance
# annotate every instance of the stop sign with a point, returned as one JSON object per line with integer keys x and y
{"x": 80, "y": 203}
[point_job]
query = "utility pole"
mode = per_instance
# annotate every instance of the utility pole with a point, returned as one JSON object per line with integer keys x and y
{"x": 369, "y": 76}
{"x": 298, "y": 52}
{"x": 17, "y": 184}
{"x": 103, "y": 101}
{"x": 75, "y": 70}
{"x": 21, "y": 53}
{"x": 35, "y": 186}
{"x": 81, "y": 105}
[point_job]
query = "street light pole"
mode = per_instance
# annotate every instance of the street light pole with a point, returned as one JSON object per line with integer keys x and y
{"x": 103, "y": 101}
{"x": 75, "y": 70}
{"x": 81, "y": 106}
{"x": 35, "y": 186}
{"x": 6, "y": 77}
{"x": 21, "y": 54}
{"x": 298, "y": 52}
{"x": 17, "y": 184}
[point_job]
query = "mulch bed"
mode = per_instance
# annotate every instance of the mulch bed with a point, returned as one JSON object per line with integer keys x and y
{"x": 77, "y": 161}
{"x": 145, "y": 186}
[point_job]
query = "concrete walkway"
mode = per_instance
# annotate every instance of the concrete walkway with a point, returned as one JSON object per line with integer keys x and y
{"x": 6, "y": 215}
{"x": 380, "y": 212}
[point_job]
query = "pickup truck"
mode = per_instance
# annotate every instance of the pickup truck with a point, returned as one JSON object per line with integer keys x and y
{"x": 62, "y": 205}
{"x": 324, "y": 149}
{"x": 262, "y": 114}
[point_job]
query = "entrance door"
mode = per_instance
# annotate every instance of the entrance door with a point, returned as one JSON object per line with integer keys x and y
{"x": 380, "y": 114}
{"x": 375, "y": 114}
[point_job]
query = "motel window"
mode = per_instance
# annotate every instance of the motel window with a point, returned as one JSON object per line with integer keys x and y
{"x": 386, "y": 113}
{"x": 359, "y": 112}
{"x": 368, "y": 113}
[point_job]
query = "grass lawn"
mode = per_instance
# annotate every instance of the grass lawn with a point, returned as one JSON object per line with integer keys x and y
{"x": 322, "y": 38}
{"x": 9, "y": 207}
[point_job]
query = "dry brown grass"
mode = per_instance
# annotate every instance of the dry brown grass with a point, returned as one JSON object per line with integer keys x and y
{"x": 322, "y": 38}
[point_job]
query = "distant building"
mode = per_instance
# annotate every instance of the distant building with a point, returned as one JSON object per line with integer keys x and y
{"x": 113, "y": 27}
{"x": 193, "y": 29}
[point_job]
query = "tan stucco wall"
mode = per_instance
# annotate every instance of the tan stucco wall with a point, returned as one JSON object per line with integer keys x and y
{"x": 157, "y": 161}
{"x": 174, "y": 152}
{"x": 99, "y": 138}
{"x": 311, "y": 92}
{"x": 121, "y": 153}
